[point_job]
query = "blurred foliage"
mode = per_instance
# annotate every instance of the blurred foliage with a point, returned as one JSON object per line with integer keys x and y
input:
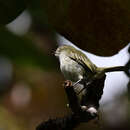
{"x": 22, "y": 50}
{"x": 8, "y": 121}
{"x": 88, "y": 23}
{"x": 101, "y": 27}
{"x": 35, "y": 85}
{"x": 10, "y": 9}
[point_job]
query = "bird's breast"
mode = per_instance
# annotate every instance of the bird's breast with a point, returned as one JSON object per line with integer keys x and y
{"x": 71, "y": 69}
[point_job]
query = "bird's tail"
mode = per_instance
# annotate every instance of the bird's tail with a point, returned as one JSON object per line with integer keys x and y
{"x": 112, "y": 69}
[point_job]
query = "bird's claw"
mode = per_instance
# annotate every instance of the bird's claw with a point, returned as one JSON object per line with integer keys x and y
{"x": 67, "y": 84}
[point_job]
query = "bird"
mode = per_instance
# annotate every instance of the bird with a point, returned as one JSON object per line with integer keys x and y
{"x": 78, "y": 68}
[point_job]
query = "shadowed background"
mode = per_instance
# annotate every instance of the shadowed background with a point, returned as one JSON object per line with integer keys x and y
{"x": 30, "y": 80}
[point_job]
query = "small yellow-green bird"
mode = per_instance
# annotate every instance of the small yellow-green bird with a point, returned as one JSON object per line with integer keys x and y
{"x": 78, "y": 68}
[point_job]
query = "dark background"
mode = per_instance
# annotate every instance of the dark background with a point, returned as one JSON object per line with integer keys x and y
{"x": 30, "y": 80}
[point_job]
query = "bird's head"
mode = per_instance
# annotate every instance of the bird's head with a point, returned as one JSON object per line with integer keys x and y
{"x": 64, "y": 49}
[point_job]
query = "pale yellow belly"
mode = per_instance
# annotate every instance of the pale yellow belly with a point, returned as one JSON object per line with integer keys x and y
{"x": 72, "y": 70}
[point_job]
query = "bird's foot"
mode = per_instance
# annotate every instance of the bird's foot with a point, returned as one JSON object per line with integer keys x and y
{"x": 92, "y": 110}
{"x": 67, "y": 84}
{"x": 84, "y": 87}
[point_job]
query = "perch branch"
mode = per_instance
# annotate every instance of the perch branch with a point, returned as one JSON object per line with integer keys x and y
{"x": 80, "y": 109}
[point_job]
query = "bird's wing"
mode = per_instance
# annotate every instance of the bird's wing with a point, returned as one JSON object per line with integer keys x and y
{"x": 83, "y": 60}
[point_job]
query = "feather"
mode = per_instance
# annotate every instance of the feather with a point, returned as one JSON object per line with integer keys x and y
{"x": 83, "y": 60}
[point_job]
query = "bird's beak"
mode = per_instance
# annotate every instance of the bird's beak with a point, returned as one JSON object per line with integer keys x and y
{"x": 56, "y": 54}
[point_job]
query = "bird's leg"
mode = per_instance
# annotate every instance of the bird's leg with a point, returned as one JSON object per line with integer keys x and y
{"x": 85, "y": 86}
{"x": 84, "y": 82}
{"x": 77, "y": 82}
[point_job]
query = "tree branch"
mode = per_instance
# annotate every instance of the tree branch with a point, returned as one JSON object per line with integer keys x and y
{"x": 81, "y": 110}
